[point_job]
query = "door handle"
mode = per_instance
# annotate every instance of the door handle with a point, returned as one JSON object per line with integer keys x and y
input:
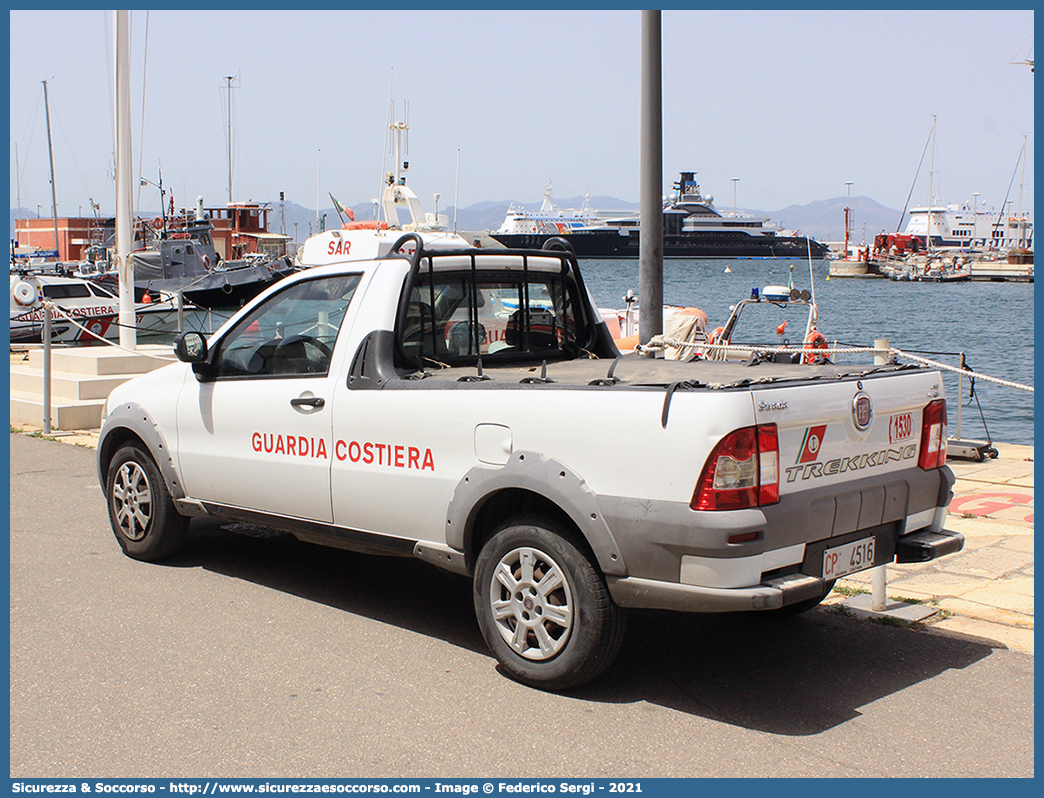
{"x": 308, "y": 401}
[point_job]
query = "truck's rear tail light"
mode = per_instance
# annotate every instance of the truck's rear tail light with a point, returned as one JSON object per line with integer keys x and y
{"x": 742, "y": 471}
{"x": 933, "y": 435}
{"x": 768, "y": 471}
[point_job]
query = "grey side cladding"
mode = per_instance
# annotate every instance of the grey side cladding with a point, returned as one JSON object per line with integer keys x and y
{"x": 538, "y": 474}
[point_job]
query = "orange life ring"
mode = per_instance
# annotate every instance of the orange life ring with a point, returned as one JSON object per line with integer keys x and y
{"x": 157, "y": 222}
{"x": 206, "y": 262}
{"x": 814, "y": 342}
{"x": 713, "y": 337}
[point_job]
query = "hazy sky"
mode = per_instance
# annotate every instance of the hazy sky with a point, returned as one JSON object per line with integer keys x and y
{"x": 794, "y": 103}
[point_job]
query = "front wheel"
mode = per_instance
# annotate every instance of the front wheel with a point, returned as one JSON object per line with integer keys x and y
{"x": 543, "y": 606}
{"x": 141, "y": 512}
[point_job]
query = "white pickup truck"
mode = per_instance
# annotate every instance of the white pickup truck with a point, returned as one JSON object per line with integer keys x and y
{"x": 469, "y": 408}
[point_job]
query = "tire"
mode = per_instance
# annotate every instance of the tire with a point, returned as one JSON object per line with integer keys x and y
{"x": 544, "y": 607}
{"x": 142, "y": 515}
{"x": 799, "y": 607}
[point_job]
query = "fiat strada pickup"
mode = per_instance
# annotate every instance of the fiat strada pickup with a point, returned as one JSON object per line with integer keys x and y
{"x": 470, "y": 408}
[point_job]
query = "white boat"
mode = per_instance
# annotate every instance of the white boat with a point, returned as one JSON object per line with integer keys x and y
{"x": 935, "y": 226}
{"x": 940, "y": 267}
{"x": 968, "y": 227}
{"x": 692, "y": 228}
{"x": 92, "y": 306}
{"x": 368, "y": 240}
{"x": 687, "y": 324}
{"x": 549, "y": 220}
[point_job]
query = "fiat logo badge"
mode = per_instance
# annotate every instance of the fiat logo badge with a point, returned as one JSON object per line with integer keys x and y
{"x": 862, "y": 411}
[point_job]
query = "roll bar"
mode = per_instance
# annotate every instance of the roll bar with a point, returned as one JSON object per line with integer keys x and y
{"x": 554, "y": 247}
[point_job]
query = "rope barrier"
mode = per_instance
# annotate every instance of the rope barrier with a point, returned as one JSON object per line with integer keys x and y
{"x": 659, "y": 342}
{"x": 975, "y": 375}
{"x": 93, "y": 334}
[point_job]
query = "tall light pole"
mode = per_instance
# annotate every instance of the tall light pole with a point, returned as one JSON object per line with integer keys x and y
{"x": 848, "y": 213}
{"x": 50, "y": 155}
{"x": 124, "y": 210}
{"x": 975, "y": 215}
{"x": 228, "y": 81}
{"x": 650, "y": 241}
{"x": 735, "y": 180}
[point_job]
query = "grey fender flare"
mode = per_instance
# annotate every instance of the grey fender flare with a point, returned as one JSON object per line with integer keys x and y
{"x": 536, "y": 473}
{"x": 133, "y": 417}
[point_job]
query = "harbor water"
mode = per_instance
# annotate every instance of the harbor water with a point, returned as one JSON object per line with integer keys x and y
{"x": 991, "y": 323}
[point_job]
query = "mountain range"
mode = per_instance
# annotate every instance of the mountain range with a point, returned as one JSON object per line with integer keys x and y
{"x": 824, "y": 220}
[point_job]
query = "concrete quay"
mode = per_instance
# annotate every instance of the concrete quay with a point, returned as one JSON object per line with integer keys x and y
{"x": 984, "y": 592}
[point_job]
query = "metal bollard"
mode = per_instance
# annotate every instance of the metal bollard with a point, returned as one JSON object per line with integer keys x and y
{"x": 960, "y": 395}
{"x": 47, "y": 370}
{"x": 878, "y": 597}
{"x": 881, "y": 356}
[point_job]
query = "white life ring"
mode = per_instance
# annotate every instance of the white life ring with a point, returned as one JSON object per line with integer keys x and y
{"x": 24, "y": 293}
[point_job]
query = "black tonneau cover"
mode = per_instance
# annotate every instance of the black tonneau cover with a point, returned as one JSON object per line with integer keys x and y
{"x": 636, "y": 371}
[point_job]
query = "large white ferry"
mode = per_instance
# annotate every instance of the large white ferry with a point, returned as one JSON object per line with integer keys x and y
{"x": 963, "y": 226}
{"x": 549, "y": 220}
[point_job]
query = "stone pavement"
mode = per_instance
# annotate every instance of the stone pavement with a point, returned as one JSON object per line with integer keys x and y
{"x": 984, "y": 592}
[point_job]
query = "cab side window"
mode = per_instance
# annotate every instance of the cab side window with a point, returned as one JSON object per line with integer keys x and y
{"x": 292, "y": 334}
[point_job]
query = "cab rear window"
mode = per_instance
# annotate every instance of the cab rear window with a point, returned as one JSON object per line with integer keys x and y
{"x": 454, "y": 316}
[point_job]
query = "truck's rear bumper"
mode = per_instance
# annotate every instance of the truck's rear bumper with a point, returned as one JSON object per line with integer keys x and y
{"x": 772, "y": 594}
{"x": 665, "y": 541}
{"x": 637, "y": 593}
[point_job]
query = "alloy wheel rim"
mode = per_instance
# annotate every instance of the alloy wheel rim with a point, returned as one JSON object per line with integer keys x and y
{"x": 132, "y": 501}
{"x": 532, "y": 604}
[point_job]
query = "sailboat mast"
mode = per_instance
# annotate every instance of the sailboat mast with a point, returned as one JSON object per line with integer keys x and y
{"x": 229, "y": 79}
{"x": 931, "y": 180}
{"x": 50, "y": 155}
{"x": 18, "y": 183}
{"x": 1022, "y": 180}
{"x": 456, "y": 193}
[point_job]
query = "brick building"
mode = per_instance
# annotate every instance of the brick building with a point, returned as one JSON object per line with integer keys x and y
{"x": 240, "y": 228}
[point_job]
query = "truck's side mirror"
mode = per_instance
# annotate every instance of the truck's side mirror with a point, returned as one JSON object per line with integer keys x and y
{"x": 190, "y": 347}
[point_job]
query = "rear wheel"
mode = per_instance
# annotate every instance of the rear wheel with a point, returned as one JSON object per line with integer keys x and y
{"x": 543, "y": 606}
{"x": 142, "y": 514}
